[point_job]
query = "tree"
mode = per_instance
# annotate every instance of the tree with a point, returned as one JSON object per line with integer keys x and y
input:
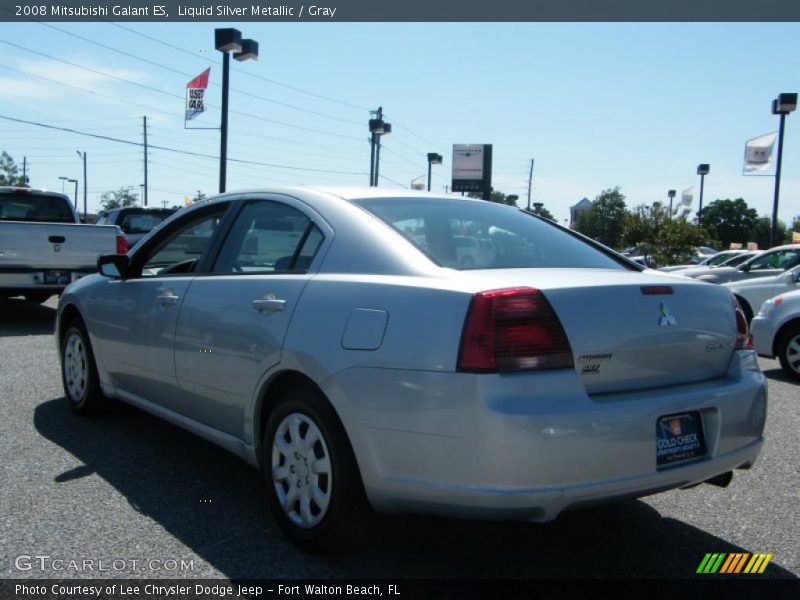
{"x": 762, "y": 233}
{"x": 796, "y": 223}
{"x": 676, "y": 241}
{"x": 121, "y": 198}
{"x": 9, "y": 171}
{"x": 497, "y": 197}
{"x": 604, "y": 221}
{"x": 729, "y": 221}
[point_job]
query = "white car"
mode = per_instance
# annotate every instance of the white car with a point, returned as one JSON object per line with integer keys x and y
{"x": 752, "y": 293}
{"x": 776, "y": 331}
{"x": 714, "y": 260}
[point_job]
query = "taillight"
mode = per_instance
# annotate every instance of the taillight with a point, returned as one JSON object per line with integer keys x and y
{"x": 510, "y": 330}
{"x": 744, "y": 341}
{"x": 122, "y": 244}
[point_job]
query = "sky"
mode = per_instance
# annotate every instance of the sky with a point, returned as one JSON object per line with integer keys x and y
{"x": 600, "y": 105}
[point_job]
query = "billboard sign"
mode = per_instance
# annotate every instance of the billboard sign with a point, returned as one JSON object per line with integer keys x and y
{"x": 195, "y": 95}
{"x": 472, "y": 168}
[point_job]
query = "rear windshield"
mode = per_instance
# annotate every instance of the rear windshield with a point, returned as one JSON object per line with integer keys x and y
{"x": 482, "y": 235}
{"x": 142, "y": 222}
{"x": 36, "y": 208}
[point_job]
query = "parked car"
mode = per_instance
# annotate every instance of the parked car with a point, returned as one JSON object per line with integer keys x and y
{"x": 752, "y": 293}
{"x": 364, "y": 365}
{"x": 135, "y": 222}
{"x": 771, "y": 262}
{"x": 776, "y": 331}
{"x": 43, "y": 246}
{"x": 733, "y": 261}
{"x": 711, "y": 261}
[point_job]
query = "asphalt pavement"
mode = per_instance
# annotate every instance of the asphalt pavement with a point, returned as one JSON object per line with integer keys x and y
{"x": 127, "y": 495}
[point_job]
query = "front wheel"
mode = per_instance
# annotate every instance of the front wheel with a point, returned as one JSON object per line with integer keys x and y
{"x": 78, "y": 371}
{"x": 789, "y": 351}
{"x": 313, "y": 484}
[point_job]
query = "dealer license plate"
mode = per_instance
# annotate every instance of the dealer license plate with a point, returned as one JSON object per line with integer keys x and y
{"x": 56, "y": 277}
{"x": 679, "y": 438}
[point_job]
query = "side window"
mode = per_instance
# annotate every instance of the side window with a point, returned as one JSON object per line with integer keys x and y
{"x": 181, "y": 249}
{"x": 269, "y": 237}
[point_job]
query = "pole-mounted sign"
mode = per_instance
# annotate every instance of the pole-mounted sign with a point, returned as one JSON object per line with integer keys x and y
{"x": 195, "y": 95}
{"x": 472, "y": 168}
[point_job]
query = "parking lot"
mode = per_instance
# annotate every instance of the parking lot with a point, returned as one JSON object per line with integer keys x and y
{"x": 136, "y": 493}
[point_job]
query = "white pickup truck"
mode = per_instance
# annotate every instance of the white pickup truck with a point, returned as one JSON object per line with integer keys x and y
{"x": 44, "y": 247}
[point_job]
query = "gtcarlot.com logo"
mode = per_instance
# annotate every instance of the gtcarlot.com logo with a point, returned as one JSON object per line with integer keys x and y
{"x": 734, "y": 563}
{"x": 40, "y": 562}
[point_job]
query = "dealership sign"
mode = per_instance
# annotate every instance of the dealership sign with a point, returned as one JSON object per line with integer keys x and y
{"x": 195, "y": 95}
{"x": 472, "y": 168}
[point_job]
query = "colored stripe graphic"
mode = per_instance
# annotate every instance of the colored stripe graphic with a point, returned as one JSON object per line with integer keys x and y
{"x": 723, "y": 563}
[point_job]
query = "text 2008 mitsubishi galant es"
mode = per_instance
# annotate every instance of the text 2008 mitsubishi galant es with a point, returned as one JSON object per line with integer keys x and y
{"x": 353, "y": 347}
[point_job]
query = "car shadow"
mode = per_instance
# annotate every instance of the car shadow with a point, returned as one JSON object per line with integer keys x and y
{"x": 20, "y": 317}
{"x": 778, "y": 374}
{"x": 216, "y": 505}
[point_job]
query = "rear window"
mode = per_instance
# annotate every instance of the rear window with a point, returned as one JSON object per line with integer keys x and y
{"x": 482, "y": 235}
{"x": 35, "y": 208}
{"x": 142, "y": 222}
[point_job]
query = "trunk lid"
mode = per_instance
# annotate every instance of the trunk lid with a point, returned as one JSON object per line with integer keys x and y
{"x": 631, "y": 330}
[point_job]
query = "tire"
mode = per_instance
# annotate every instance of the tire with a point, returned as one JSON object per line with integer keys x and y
{"x": 315, "y": 493}
{"x": 79, "y": 371}
{"x": 38, "y": 297}
{"x": 789, "y": 351}
{"x": 746, "y": 309}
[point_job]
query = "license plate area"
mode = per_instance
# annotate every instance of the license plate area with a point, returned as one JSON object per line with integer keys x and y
{"x": 679, "y": 438}
{"x": 56, "y": 277}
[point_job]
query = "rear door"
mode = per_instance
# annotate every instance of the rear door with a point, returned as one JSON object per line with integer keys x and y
{"x": 233, "y": 321}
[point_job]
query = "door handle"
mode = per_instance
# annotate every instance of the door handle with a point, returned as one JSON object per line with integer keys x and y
{"x": 56, "y": 239}
{"x": 269, "y": 304}
{"x": 168, "y": 299}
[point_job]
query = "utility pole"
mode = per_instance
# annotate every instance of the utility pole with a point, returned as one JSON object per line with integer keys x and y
{"x": 24, "y": 170}
{"x": 144, "y": 119}
{"x": 530, "y": 183}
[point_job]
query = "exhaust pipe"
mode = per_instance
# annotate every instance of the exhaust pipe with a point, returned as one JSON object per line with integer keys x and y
{"x": 722, "y": 480}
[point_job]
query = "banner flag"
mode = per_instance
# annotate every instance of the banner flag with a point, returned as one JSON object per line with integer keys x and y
{"x": 758, "y": 152}
{"x": 195, "y": 93}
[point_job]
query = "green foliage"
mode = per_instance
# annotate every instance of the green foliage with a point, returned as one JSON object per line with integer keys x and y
{"x": 9, "y": 171}
{"x": 605, "y": 220}
{"x": 730, "y": 221}
{"x": 543, "y": 212}
{"x": 676, "y": 241}
{"x": 497, "y": 197}
{"x": 121, "y": 198}
{"x": 796, "y": 223}
{"x": 762, "y": 233}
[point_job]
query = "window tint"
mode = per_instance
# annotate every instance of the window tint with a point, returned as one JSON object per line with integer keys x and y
{"x": 35, "y": 208}
{"x": 267, "y": 238}
{"x": 781, "y": 259}
{"x": 182, "y": 249}
{"x": 142, "y": 223}
{"x": 481, "y": 235}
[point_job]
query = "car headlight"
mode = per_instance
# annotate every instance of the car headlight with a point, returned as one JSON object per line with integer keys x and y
{"x": 769, "y": 305}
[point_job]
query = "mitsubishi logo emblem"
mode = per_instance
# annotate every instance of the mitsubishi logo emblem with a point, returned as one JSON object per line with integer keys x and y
{"x": 666, "y": 319}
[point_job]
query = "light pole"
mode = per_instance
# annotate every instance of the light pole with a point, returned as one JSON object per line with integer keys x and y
{"x": 377, "y": 128}
{"x": 702, "y": 170}
{"x": 782, "y": 105}
{"x": 671, "y": 196}
{"x": 63, "y": 179}
{"x": 85, "y": 182}
{"x": 433, "y": 159}
{"x": 229, "y": 41}
{"x": 75, "y": 181}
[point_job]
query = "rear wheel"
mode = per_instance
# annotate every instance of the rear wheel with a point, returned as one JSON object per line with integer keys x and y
{"x": 312, "y": 479}
{"x": 78, "y": 371}
{"x": 789, "y": 351}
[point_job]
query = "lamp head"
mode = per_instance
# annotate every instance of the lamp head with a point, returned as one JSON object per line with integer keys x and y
{"x": 249, "y": 51}
{"x": 703, "y": 169}
{"x": 228, "y": 40}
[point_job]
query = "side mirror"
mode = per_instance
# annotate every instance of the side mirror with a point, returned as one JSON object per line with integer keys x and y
{"x": 744, "y": 267}
{"x": 116, "y": 266}
{"x": 796, "y": 276}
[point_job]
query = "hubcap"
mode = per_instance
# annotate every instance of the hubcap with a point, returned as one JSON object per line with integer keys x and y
{"x": 301, "y": 470}
{"x": 75, "y": 369}
{"x": 793, "y": 353}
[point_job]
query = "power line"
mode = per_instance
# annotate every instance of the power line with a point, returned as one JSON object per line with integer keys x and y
{"x": 178, "y": 151}
{"x": 243, "y": 72}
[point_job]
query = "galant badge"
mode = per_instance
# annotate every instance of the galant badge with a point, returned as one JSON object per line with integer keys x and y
{"x": 666, "y": 319}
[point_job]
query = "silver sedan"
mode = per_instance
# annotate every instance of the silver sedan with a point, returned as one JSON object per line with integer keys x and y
{"x": 340, "y": 342}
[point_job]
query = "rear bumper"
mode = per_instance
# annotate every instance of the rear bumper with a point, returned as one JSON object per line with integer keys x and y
{"x": 530, "y": 445}
{"x": 14, "y": 282}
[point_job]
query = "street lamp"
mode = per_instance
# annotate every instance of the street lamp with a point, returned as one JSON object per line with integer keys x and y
{"x": 671, "y": 196}
{"x": 63, "y": 179}
{"x": 433, "y": 159}
{"x": 782, "y": 105}
{"x": 702, "y": 170}
{"x": 75, "y": 181}
{"x": 227, "y": 41}
{"x": 377, "y": 128}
